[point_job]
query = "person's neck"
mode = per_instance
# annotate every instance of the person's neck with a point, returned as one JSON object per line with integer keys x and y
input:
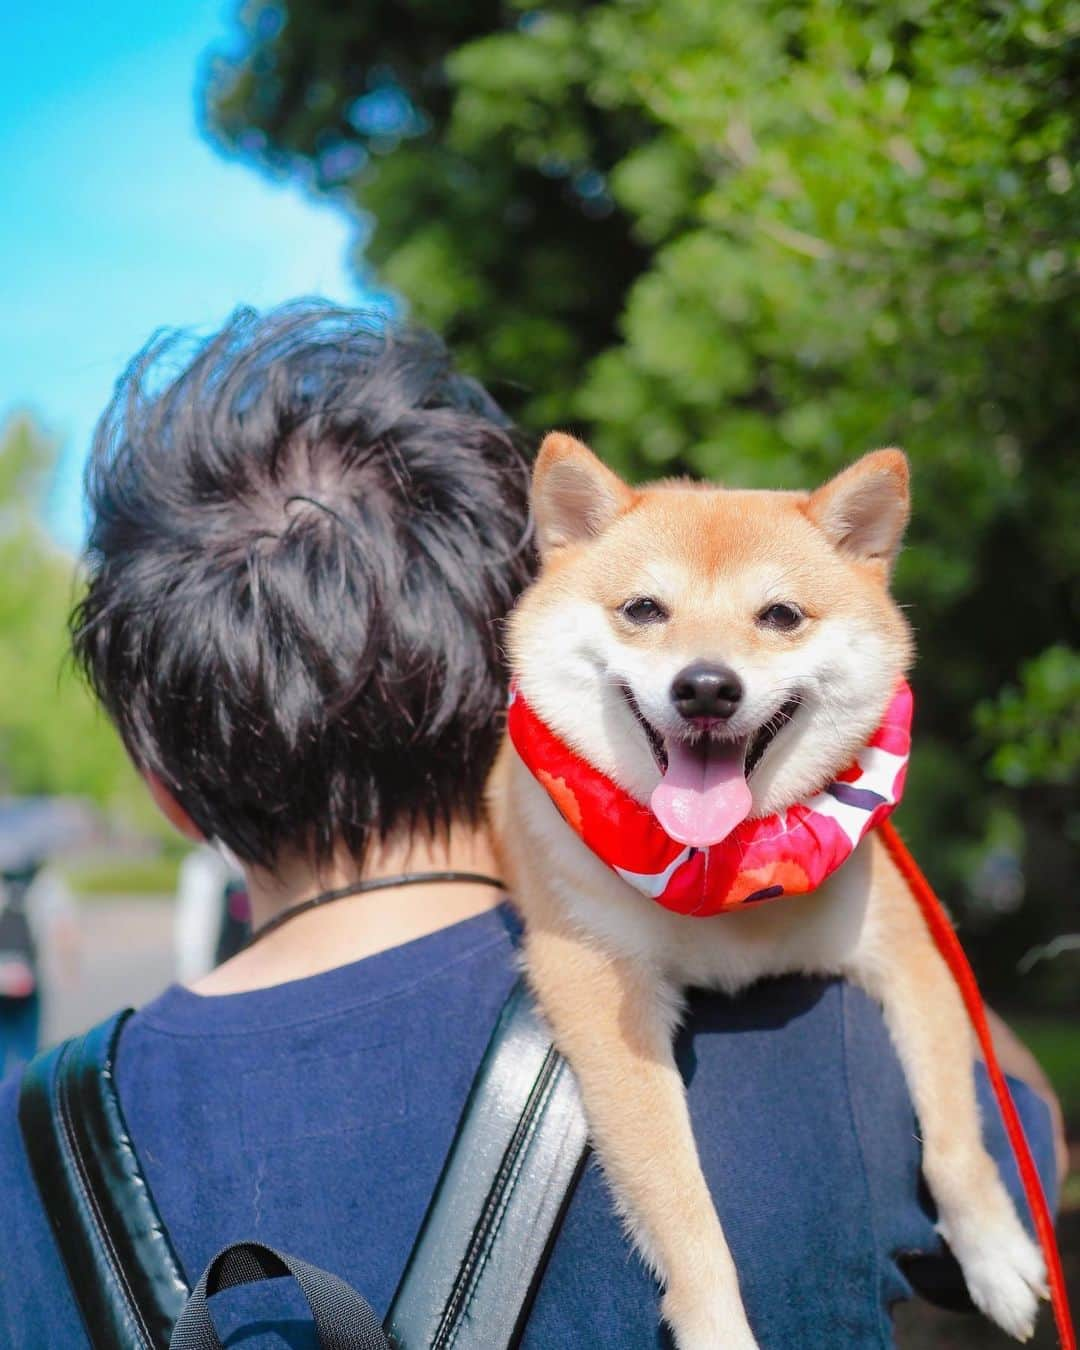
{"x": 356, "y": 926}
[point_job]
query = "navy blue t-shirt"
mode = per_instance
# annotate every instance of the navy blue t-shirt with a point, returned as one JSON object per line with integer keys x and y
{"x": 315, "y": 1116}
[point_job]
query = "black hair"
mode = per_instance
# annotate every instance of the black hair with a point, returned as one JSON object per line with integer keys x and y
{"x": 303, "y": 543}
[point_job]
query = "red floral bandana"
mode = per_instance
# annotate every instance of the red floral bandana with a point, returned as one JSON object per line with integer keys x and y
{"x": 789, "y": 853}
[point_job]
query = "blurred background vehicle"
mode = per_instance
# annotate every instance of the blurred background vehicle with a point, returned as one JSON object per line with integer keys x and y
{"x": 212, "y": 919}
{"x": 38, "y": 925}
{"x": 747, "y": 241}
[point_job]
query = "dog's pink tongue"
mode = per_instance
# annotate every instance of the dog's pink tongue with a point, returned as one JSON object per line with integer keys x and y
{"x": 703, "y": 795}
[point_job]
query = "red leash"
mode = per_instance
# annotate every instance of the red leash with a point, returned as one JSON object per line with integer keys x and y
{"x": 948, "y": 944}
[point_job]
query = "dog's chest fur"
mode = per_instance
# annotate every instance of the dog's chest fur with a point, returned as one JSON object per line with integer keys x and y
{"x": 810, "y": 934}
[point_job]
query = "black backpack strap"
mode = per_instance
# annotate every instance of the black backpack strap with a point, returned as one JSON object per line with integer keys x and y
{"x": 343, "y": 1320}
{"x": 516, "y": 1158}
{"x": 476, "y": 1265}
{"x": 121, "y": 1265}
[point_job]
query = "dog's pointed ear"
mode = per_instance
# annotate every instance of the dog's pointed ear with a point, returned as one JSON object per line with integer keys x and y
{"x": 574, "y": 496}
{"x": 864, "y": 510}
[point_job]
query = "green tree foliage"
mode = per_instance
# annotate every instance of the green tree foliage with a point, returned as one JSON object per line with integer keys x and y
{"x": 1035, "y": 730}
{"x": 52, "y": 737}
{"x": 749, "y": 241}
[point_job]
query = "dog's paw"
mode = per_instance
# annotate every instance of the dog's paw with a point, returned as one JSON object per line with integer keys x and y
{"x": 1003, "y": 1268}
{"x": 715, "y": 1322}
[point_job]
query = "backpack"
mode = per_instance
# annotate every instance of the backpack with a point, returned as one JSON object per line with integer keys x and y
{"x": 473, "y": 1272}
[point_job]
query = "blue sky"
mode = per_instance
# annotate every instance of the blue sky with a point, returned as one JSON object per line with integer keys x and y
{"x": 122, "y": 219}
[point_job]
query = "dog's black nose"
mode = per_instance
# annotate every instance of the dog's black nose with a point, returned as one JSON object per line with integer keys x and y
{"x": 705, "y": 690}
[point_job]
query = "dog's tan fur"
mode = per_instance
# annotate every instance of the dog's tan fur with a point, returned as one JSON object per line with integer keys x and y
{"x": 607, "y": 964}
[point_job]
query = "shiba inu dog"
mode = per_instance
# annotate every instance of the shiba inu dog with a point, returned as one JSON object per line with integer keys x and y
{"x": 704, "y": 665}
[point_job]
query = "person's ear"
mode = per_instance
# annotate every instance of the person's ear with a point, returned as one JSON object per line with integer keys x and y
{"x": 864, "y": 510}
{"x": 574, "y": 496}
{"x": 171, "y": 809}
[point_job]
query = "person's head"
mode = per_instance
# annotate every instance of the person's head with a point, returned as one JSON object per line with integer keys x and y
{"x": 303, "y": 543}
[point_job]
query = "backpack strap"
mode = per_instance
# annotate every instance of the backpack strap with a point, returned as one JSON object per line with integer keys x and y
{"x": 343, "y": 1320}
{"x": 515, "y": 1161}
{"x": 121, "y": 1265}
{"x": 476, "y": 1265}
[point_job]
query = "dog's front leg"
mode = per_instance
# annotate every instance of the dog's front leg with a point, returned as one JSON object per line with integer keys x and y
{"x": 899, "y": 965}
{"x": 614, "y": 1020}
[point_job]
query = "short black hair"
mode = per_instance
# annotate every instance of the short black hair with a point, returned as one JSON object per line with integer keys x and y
{"x": 303, "y": 543}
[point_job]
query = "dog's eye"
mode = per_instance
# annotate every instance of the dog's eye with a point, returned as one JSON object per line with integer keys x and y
{"x": 642, "y": 610}
{"x": 783, "y": 617}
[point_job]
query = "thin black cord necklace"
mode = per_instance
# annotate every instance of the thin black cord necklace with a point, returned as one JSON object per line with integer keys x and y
{"x": 372, "y": 884}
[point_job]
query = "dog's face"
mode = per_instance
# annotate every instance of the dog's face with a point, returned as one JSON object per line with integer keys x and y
{"x": 720, "y": 653}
